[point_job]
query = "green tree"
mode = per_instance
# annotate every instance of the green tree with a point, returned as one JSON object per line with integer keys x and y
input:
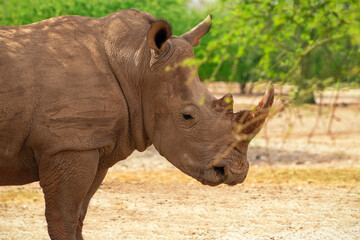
{"x": 176, "y": 12}
{"x": 310, "y": 44}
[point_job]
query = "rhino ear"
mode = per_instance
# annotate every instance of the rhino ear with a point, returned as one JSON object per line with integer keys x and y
{"x": 194, "y": 35}
{"x": 159, "y": 32}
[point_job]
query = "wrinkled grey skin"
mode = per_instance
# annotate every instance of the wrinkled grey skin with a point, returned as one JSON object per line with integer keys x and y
{"x": 79, "y": 94}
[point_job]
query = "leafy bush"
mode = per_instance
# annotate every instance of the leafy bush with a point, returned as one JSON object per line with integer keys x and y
{"x": 310, "y": 44}
{"x": 177, "y": 12}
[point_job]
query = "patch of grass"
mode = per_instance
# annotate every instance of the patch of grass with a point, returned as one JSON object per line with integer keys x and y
{"x": 159, "y": 176}
{"x": 20, "y": 196}
{"x": 304, "y": 176}
{"x": 257, "y": 175}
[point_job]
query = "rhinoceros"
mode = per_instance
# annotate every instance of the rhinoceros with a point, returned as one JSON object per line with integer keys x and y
{"x": 79, "y": 94}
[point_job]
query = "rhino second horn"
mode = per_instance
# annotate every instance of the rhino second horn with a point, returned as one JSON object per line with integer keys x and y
{"x": 225, "y": 103}
{"x": 194, "y": 35}
{"x": 252, "y": 120}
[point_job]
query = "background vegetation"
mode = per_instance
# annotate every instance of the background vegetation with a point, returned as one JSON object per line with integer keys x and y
{"x": 177, "y": 12}
{"x": 310, "y": 44}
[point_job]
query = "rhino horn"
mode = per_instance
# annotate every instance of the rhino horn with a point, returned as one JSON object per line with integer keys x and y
{"x": 194, "y": 35}
{"x": 250, "y": 122}
{"x": 224, "y": 104}
{"x": 268, "y": 98}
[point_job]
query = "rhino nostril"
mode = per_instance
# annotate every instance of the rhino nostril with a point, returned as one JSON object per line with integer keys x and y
{"x": 220, "y": 171}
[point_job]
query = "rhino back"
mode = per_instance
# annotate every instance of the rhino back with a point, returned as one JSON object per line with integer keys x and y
{"x": 57, "y": 89}
{"x": 18, "y": 102}
{"x": 60, "y": 91}
{"x": 17, "y": 94}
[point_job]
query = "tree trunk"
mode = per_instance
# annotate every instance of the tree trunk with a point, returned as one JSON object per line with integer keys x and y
{"x": 309, "y": 98}
{"x": 251, "y": 88}
{"x": 242, "y": 88}
{"x": 306, "y": 68}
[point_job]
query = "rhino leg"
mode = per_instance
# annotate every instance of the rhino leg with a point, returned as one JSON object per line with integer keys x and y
{"x": 94, "y": 186}
{"x": 66, "y": 179}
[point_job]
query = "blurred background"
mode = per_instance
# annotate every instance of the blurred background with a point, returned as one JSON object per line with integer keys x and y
{"x": 311, "y": 45}
{"x": 304, "y": 178}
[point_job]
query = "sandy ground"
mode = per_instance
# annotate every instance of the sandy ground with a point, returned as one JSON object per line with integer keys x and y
{"x": 298, "y": 187}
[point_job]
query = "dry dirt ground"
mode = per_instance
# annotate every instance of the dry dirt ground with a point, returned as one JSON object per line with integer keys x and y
{"x": 303, "y": 183}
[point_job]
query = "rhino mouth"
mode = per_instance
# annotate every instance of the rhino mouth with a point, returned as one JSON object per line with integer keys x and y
{"x": 224, "y": 173}
{"x": 218, "y": 172}
{"x": 213, "y": 176}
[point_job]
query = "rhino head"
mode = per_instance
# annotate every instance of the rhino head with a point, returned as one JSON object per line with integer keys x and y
{"x": 196, "y": 132}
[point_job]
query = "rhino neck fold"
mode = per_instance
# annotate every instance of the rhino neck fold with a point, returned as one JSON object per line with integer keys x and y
{"x": 129, "y": 86}
{"x": 125, "y": 47}
{"x": 139, "y": 139}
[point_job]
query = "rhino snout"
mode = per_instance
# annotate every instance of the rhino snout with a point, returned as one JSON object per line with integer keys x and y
{"x": 230, "y": 174}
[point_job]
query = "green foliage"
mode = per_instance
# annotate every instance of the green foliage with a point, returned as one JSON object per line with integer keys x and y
{"x": 177, "y": 12}
{"x": 311, "y": 44}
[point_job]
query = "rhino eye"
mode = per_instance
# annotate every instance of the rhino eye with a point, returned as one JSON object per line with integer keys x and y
{"x": 187, "y": 116}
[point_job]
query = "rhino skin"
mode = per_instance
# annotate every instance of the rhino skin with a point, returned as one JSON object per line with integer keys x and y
{"x": 79, "y": 94}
